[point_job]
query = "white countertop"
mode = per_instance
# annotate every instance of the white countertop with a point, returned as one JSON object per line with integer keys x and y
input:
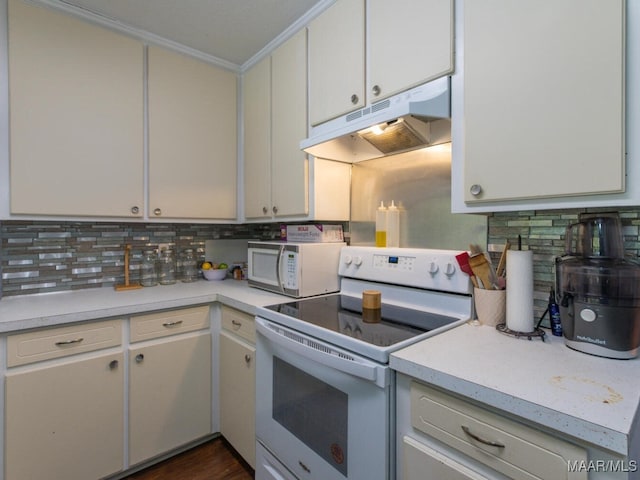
{"x": 41, "y": 310}
{"x": 591, "y": 398}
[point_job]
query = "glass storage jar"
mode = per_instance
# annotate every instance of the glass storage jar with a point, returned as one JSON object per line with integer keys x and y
{"x": 148, "y": 269}
{"x": 189, "y": 266}
{"x": 167, "y": 271}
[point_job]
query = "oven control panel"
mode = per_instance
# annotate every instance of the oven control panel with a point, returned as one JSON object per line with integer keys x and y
{"x": 416, "y": 267}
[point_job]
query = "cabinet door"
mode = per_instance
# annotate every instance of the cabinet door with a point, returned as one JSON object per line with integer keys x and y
{"x": 192, "y": 138}
{"x": 237, "y": 395}
{"x": 289, "y": 165}
{"x": 336, "y": 61}
{"x": 409, "y": 43}
{"x": 256, "y": 89}
{"x": 65, "y": 421}
{"x": 169, "y": 395}
{"x": 543, "y": 99}
{"x": 76, "y": 116}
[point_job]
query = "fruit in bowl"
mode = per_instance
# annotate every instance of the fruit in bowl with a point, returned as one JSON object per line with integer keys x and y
{"x": 214, "y": 271}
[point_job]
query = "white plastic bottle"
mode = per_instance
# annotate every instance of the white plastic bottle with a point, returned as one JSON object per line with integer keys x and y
{"x": 381, "y": 226}
{"x": 393, "y": 226}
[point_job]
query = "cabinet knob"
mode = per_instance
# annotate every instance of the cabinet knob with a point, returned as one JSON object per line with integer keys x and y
{"x": 157, "y": 212}
{"x": 275, "y": 209}
{"x": 475, "y": 190}
{"x": 139, "y": 358}
{"x": 135, "y": 210}
{"x": 247, "y": 358}
{"x": 265, "y": 210}
{"x": 376, "y": 90}
{"x": 354, "y": 99}
{"x": 113, "y": 364}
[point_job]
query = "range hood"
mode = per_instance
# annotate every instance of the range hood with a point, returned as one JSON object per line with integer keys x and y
{"x": 413, "y": 119}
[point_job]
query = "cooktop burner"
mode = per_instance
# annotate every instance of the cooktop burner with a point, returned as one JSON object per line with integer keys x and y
{"x": 343, "y": 314}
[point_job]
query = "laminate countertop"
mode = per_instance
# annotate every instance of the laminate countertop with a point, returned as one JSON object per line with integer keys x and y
{"x": 591, "y": 398}
{"x": 23, "y": 312}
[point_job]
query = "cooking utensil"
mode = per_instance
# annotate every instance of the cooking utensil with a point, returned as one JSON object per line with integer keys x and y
{"x": 503, "y": 260}
{"x": 481, "y": 269}
{"x": 463, "y": 262}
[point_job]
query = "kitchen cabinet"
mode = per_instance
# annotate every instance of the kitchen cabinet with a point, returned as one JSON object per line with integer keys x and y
{"x": 282, "y": 182}
{"x": 450, "y": 437}
{"x": 538, "y": 116}
{"x": 64, "y": 402}
{"x": 192, "y": 137}
{"x": 76, "y": 116}
{"x": 170, "y": 381}
{"x": 276, "y": 179}
{"x": 336, "y": 61}
{"x": 408, "y": 42}
{"x": 238, "y": 382}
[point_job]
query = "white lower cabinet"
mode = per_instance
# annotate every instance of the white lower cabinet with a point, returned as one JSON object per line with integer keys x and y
{"x": 451, "y": 438}
{"x": 64, "y": 418}
{"x": 237, "y": 382}
{"x": 169, "y": 383}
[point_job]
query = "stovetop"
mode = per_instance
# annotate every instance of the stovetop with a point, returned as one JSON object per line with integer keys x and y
{"x": 423, "y": 293}
{"x": 343, "y": 314}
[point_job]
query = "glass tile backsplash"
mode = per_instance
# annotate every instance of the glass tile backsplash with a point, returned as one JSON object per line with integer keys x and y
{"x": 40, "y": 256}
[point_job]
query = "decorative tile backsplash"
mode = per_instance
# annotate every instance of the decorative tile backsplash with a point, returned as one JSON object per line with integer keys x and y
{"x": 543, "y": 232}
{"x": 38, "y": 257}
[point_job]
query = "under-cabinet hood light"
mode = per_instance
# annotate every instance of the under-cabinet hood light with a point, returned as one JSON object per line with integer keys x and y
{"x": 414, "y": 119}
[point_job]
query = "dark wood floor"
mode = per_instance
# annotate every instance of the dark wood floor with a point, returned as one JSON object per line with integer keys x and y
{"x": 213, "y": 460}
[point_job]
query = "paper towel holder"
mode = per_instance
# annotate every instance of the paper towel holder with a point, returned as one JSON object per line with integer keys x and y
{"x": 537, "y": 332}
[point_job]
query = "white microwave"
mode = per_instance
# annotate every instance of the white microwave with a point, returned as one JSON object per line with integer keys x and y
{"x": 294, "y": 269}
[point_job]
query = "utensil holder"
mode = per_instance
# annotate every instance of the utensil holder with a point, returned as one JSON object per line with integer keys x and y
{"x": 490, "y": 306}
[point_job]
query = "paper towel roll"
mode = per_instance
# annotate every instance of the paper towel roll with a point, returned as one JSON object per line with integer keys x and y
{"x": 520, "y": 290}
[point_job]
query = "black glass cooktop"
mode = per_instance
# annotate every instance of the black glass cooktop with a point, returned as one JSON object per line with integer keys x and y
{"x": 343, "y": 314}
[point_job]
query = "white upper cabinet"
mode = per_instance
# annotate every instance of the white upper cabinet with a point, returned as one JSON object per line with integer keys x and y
{"x": 76, "y": 116}
{"x": 539, "y": 104}
{"x": 192, "y": 138}
{"x": 336, "y": 61}
{"x": 409, "y": 42}
{"x": 403, "y": 44}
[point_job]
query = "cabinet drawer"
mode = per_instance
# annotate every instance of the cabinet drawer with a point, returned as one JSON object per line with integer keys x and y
{"x": 240, "y": 323}
{"x": 163, "y": 324}
{"x": 509, "y": 447}
{"x": 45, "y": 344}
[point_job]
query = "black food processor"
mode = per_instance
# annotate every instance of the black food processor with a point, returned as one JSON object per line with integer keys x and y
{"x": 598, "y": 289}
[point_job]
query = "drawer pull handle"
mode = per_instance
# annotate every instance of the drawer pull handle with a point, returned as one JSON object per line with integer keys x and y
{"x": 172, "y": 324}
{"x": 247, "y": 358}
{"x": 69, "y": 342}
{"x": 139, "y": 358}
{"x": 466, "y": 430}
{"x": 236, "y": 323}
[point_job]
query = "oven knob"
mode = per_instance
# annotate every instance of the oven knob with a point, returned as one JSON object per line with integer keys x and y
{"x": 450, "y": 269}
{"x": 433, "y": 267}
{"x": 357, "y": 261}
{"x": 347, "y": 259}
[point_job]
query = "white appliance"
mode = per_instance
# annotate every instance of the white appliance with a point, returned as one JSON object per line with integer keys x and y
{"x": 326, "y": 389}
{"x": 294, "y": 269}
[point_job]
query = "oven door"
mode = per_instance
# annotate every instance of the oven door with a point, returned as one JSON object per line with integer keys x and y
{"x": 321, "y": 411}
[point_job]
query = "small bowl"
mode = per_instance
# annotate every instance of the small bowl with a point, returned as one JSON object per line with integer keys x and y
{"x": 215, "y": 273}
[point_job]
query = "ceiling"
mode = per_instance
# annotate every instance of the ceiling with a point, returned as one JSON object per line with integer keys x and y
{"x": 231, "y": 30}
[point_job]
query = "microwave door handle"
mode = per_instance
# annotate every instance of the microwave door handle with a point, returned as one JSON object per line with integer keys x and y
{"x": 366, "y": 371}
{"x": 279, "y": 275}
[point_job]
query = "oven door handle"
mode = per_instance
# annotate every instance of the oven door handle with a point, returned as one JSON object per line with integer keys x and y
{"x": 323, "y": 353}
